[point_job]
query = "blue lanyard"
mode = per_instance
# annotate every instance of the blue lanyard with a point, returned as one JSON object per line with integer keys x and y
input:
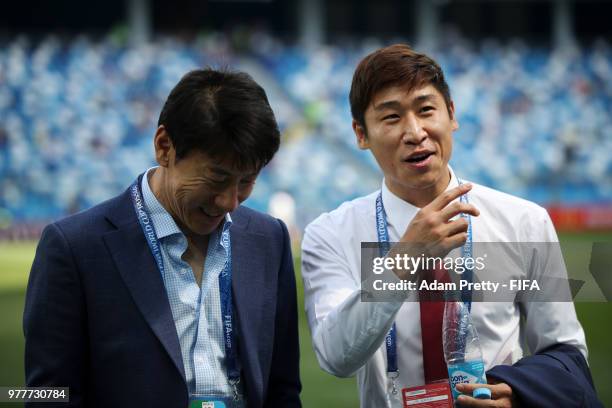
{"x": 225, "y": 281}
{"x": 383, "y": 239}
{"x": 383, "y": 247}
{"x": 467, "y": 253}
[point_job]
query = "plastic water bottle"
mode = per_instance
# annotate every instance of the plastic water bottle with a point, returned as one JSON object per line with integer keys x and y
{"x": 462, "y": 350}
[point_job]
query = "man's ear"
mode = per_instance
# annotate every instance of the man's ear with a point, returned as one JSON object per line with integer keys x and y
{"x": 453, "y": 117}
{"x": 164, "y": 149}
{"x": 362, "y": 136}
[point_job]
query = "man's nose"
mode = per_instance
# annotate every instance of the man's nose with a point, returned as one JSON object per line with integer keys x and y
{"x": 227, "y": 200}
{"x": 414, "y": 132}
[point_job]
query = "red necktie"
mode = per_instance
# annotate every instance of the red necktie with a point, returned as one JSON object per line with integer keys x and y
{"x": 432, "y": 311}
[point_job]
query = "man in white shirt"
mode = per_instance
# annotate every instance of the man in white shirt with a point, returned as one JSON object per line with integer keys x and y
{"x": 403, "y": 113}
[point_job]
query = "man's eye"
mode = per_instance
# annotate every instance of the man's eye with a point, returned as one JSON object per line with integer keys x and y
{"x": 218, "y": 182}
{"x": 427, "y": 108}
{"x": 391, "y": 117}
{"x": 246, "y": 182}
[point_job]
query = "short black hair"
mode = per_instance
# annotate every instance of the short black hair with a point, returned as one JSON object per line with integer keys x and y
{"x": 395, "y": 65}
{"x": 224, "y": 114}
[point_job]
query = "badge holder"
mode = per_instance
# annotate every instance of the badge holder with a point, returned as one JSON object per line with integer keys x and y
{"x": 206, "y": 403}
{"x": 433, "y": 395}
{"x": 198, "y": 401}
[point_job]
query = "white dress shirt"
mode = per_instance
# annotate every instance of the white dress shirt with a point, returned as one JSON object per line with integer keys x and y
{"x": 348, "y": 334}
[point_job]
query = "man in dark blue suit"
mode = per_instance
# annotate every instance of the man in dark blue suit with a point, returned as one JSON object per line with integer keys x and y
{"x": 172, "y": 294}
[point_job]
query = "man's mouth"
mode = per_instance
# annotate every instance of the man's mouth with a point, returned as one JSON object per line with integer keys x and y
{"x": 210, "y": 215}
{"x": 419, "y": 158}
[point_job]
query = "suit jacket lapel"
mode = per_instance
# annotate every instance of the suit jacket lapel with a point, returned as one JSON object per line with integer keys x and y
{"x": 251, "y": 290}
{"x": 139, "y": 271}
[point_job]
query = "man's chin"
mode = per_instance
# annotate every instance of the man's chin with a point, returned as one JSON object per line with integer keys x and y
{"x": 204, "y": 228}
{"x": 423, "y": 181}
{"x": 426, "y": 177}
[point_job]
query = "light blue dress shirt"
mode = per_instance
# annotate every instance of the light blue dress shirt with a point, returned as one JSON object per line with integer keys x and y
{"x": 196, "y": 310}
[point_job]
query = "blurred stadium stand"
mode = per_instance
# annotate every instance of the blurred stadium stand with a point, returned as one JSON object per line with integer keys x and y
{"x": 78, "y": 113}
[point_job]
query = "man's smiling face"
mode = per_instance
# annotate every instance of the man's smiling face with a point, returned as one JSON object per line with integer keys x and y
{"x": 202, "y": 191}
{"x": 410, "y": 134}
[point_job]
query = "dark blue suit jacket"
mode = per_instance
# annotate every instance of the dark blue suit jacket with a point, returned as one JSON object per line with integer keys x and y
{"x": 557, "y": 377}
{"x": 97, "y": 318}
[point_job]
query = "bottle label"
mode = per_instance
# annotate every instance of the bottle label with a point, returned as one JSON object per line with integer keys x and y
{"x": 469, "y": 372}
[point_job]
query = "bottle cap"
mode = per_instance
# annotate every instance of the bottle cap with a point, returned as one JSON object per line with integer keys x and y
{"x": 482, "y": 393}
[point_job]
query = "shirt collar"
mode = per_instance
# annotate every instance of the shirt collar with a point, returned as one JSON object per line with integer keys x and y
{"x": 227, "y": 223}
{"x": 400, "y": 212}
{"x": 163, "y": 222}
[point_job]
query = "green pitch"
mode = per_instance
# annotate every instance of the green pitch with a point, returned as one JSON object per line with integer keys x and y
{"x": 319, "y": 388}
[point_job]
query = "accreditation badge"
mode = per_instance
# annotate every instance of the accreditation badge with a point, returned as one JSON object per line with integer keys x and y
{"x": 433, "y": 395}
{"x": 201, "y": 403}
